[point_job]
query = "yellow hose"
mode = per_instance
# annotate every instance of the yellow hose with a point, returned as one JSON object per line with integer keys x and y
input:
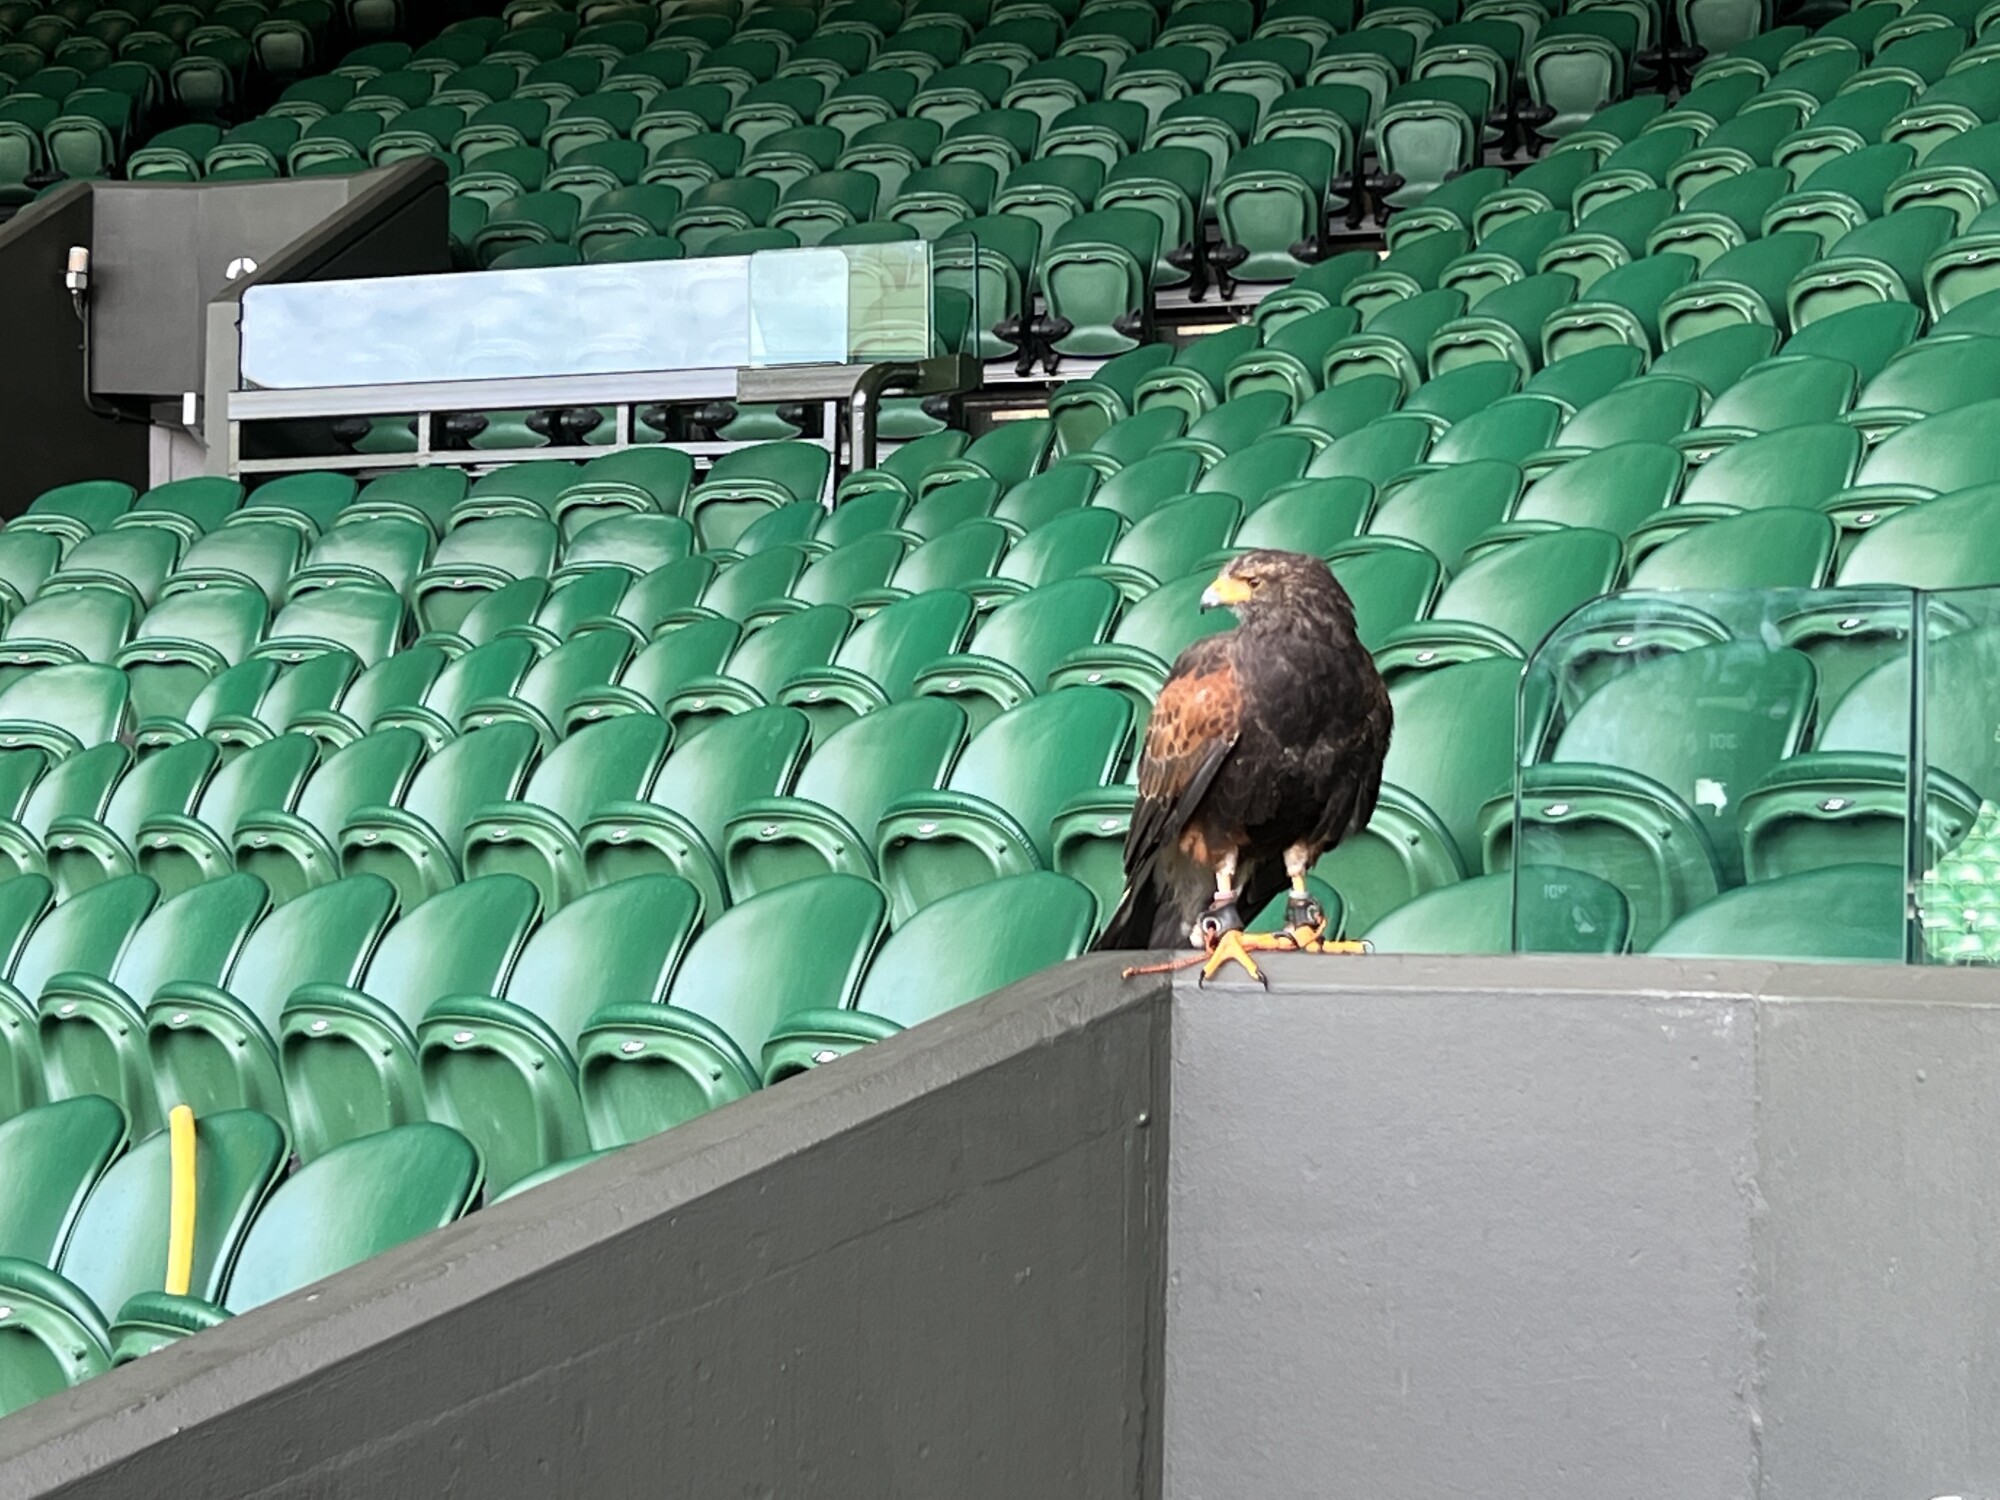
{"x": 180, "y": 1207}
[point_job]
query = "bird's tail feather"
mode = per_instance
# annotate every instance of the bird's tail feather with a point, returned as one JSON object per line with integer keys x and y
{"x": 1131, "y": 925}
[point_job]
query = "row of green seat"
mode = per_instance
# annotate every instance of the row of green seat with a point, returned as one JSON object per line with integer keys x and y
{"x": 83, "y": 1244}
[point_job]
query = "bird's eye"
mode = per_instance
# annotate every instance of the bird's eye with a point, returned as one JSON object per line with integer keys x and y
{"x": 1256, "y": 582}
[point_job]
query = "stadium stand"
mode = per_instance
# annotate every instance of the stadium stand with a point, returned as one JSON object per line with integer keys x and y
{"x": 1636, "y": 368}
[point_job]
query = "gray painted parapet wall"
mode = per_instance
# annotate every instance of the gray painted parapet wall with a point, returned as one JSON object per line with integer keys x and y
{"x": 1437, "y": 1228}
{"x": 1585, "y": 1228}
{"x": 932, "y": 1270}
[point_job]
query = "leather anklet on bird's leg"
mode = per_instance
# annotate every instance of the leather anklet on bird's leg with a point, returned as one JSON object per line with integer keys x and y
{"x": 1304, "y": 930}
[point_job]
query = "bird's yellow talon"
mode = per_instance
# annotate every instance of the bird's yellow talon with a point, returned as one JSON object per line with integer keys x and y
{"x": 1234, "y": 947}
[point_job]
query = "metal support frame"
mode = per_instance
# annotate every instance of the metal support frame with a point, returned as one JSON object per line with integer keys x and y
{"x": 830, "y": 386}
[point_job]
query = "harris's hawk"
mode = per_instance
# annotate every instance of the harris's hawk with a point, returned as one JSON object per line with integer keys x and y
{"x": 1265, "y": 749}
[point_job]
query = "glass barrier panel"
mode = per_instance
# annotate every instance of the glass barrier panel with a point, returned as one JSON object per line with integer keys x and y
{"x": 858, "y": 303}
{"x": 1957, "y": 870}
{"x": 1715, "y": 774}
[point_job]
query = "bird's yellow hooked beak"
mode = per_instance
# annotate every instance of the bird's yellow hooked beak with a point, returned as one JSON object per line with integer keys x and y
{"x": 1226, "y": 590}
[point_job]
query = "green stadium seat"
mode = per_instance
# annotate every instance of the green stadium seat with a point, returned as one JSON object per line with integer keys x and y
{"x": 1509, "y": 324}
{"x": 1055, "y": 550}
{"x": 486, "y": 672}
{"x": 1576, "y": 66}
{"x": 51, "y": 1157}
{"x": 414, "y": 844}
{"x": 1410, "y": 268}
{"x": 1851, "y": 122}
{"x": 930, "y": 844}
{"x": 131, "y": 560}
{"x": 535, "y": 836}
{"x": 764, "y": 660}
{"x": 463, "y": 940}
{"x": 1957, "y": 103}
{"x": 680, "y": 827}
{"x": 1454, "y": 752}
{"x": 1383, "y": 448}
{"x": 186, "y": 640}
{"x": 644, "y": 1068}
{"x": 334, "y": 1212}
{"x": 1881, "y": 261}
{"x": 1428, "y": 130}
{"x": 502, "y": 1068}
{"x": 64, "y": 709}
{"x": 1506, "y": 600}
{"x": 878, "y": 663}
{"x": 1848, "y": 913}
{"x": 1929, "y": 377}
{"x": 90, "y": 1023}
{"x": 74, "y": 625}
{"x": 822, "y": 826}
{"x": 26, "y": 559}
{"x": 658, "y": 672}
{"x": 1396, "y": 342}
{"x": 77, "y": 787}
{"x": 1025, "y": 923}
{"x": 1656, "y": 814}
{"x": 636, "y": 479}
{"x": 289, "y": 843}
{"x": 1097, "y": 279}
{"x": 1849, "y": 799}
{"x": 72, "y": 512}
{"x": 745, "y": 483}
{"x": 542, "y": 698}
{"x": 1443, "y": 510}
{"x": 1271, "y": 204}
{"x": 181, "y": 850}
{"x": 61, "y": 1309}
{"x": 213, "y": 1045}
{"x": 1558, "y": 911}
{"x": 1194, "y": 381}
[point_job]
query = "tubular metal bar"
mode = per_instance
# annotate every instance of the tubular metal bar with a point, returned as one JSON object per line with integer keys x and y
{"x": 482, "y": 395}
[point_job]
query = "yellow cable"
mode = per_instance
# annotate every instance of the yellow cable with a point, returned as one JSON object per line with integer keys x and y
{"x": 180, "y": 1209}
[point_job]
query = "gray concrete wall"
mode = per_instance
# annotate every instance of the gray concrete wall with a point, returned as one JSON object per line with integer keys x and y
{"x": 53, "y": 436}
{"x": 933, "y": 1270}
{"x": 1458, "y": 1228}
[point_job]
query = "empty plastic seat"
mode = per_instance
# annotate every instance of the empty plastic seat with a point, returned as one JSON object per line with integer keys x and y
{"x": 1507, "y": 600}
{"x": 1024, "y": 923}
{"x": 645, "y": 1068}
{"x": 1444, "y": 510}
{"x": 1613, "y": 783}
{"x": 50, "y": 1159}
{"x": 214, "y": 1046}
{"x": 61, "y": 1311}
{"x": 1097, "y": 277}
{"x": 1881, "y": 261}
{"x": 92, "y": 1025}
{"x": 463, "y": 941}
{"x": 994, "y": 816}
{"x": 502, "y": 1068}
{"x": 1557, "y": 911}
{"x": 536, "y": 836}
{"x": 82, "y": 850}
{"x": 179, "y": 850}
{"x": 415, "y": 844}
{"x": 332, "y": 1213}
{"x": 1454, "y": 751}
{"x": 678, "y": 828}
{"x": 292, "y": 849}
{"x": 1849, "y": 913}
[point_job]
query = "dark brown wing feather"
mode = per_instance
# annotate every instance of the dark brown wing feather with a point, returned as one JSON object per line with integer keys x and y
{"x": 1194, "y": 728}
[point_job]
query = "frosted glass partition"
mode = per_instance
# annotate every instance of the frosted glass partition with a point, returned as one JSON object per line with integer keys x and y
{"x": 858, "y": 303}
{"x": 1728, "y": 773}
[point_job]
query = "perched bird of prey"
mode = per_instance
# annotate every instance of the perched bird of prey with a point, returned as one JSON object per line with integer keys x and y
{"x": 1264, "y": 750}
